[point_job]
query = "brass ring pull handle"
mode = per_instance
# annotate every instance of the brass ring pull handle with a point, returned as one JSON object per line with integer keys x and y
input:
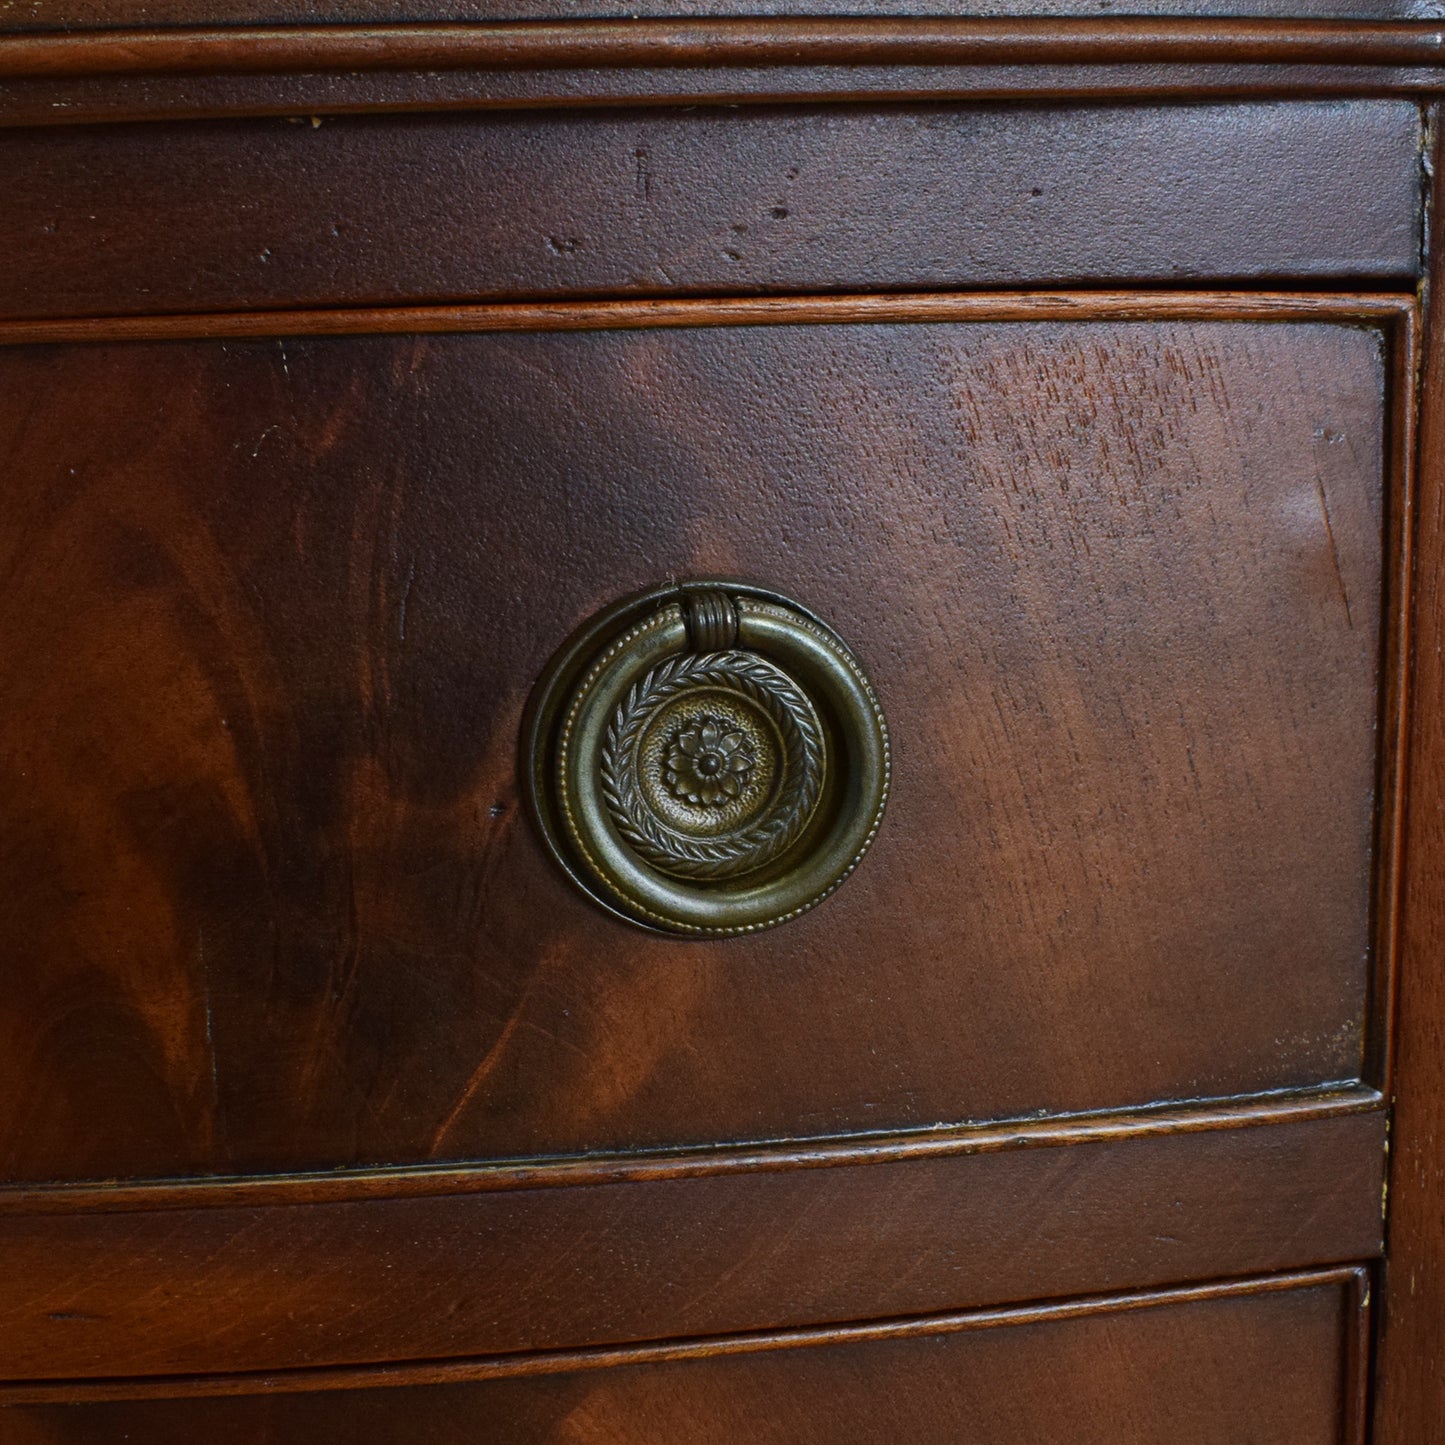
{"x": 707, "y": 759}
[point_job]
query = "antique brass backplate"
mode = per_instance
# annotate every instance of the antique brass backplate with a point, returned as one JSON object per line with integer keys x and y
{"x": 706, "y": 759}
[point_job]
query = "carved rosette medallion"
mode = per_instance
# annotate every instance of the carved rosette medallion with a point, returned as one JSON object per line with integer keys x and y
{"x": 713, "y": 765}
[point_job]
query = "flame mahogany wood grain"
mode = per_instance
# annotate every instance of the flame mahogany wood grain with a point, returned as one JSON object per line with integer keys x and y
{"x": 275, "y": 610}
{"x": 426, "y": 1278}
{"x": 184, "y": 216}
{"x": 1269, "y": 1359}
{"x": 281, "y": 561}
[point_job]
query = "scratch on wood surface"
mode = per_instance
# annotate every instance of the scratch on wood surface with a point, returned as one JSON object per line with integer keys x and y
{"x": 480, "y": 1074}
{"x": 205, "y": 973}
{"x": 405, "y": 599}
{"x": 1334, "y": 549}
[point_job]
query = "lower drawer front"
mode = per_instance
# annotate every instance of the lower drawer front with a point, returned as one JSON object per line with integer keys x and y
{"x": 1268, "y": 1363}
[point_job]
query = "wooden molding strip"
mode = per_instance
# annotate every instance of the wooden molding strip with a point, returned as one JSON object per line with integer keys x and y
{"x": 1404, "y": 390}
{"x": 419, "y": 1181}
{"x": 1376, "y": 308}
{"x": 715, "y": 44}
{"x": 1354, "y": 1279}
{"x": 337, "y": 1283}
{"x": 1410, "y": 1386}
{"x": 112, "y": 99}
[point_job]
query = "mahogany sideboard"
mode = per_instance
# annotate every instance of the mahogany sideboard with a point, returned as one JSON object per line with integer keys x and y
{"x": 720, "y": 722}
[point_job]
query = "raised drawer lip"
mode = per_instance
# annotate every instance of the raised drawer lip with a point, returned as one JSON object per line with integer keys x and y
{"x": 366, "y": 1282}
{"x": 1353, "y": 1279}
{"x": 1213, "y": 304}
{"x": 647, "y": 1166}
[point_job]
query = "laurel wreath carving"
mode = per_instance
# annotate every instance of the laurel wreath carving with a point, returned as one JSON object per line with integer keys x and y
{"x": 801, "y": 775}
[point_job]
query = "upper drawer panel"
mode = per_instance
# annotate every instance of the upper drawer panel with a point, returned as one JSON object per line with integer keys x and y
{"x": 362, "y": 210}
{"x": 273, "y": 609}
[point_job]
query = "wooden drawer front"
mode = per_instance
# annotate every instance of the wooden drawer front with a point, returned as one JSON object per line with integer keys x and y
{"x": 345, "y": 1269}
{"x": 1186, "y": 1369}
{"x": 274, "y": 607}
{"x": 206, "y": 216}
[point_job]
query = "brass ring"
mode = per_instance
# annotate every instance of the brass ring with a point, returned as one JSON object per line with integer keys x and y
{"x": 707, "y": 760}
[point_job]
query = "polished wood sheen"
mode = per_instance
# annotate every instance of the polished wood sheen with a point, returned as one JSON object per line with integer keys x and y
{"x": 49, "y": 79}
{"x": 1412, "y": 1343}
{"x": 353, "y": 354}
{"x": 276, "y": 611}
{"x": 97, "y": 1293}
{"x": 418, "y": 1181}
{"x": 1270, "y": 1361}
{"x": 1389, "y": 312}
{"x": 367, "y": 210}
{"x": 310, "y": 97}
{"x": 33, "y": 15}
{"x": 579, "y": 44}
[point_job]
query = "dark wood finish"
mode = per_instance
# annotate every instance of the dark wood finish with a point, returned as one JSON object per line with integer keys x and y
{"x": 48, "y": 79}
{"x": 1395, "y": 712}
{"x": 257, "y": 1288}
{"x": 364, "y": 210}
{"x": 417, "y": 1181}
{"x": 303, "y": 97}
{"x": 1393, "y": 314}
{"x": 1263, "y": 1361}
{"x": 320, "y": 433}
{"x": 261, "y": 818}
{"x": 29, "y": 15}
{"x": 1411, "y": 1397}
{"x": 1353, "y": 1279}
{"x": 715, "y": 43}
